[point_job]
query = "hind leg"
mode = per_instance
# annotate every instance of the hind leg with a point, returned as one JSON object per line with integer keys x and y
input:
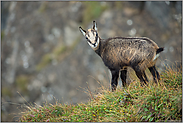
{"x": 142, "y": 76}
{"x": 114, "y": 82}
{"x": 155, "y": 73}
{"x": 123, "y": 76}
{"x": 145, "y": 77}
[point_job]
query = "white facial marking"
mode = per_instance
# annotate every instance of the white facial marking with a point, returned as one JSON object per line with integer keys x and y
{"x": 91, "y": 36}
{"x": 91, "y": 45}
{"x": 96, "y": 44}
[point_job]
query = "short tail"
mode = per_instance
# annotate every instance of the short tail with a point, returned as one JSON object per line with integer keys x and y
{"x": 159, "y": 50}
{"x": 157, "y": 53}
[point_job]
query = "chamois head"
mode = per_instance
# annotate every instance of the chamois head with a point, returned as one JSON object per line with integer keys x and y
{"x": 91, "y": 36}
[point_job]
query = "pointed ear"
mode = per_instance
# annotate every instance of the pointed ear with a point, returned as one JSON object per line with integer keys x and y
{"x": 82, "y": 31}
{"x": 94, "y": 25}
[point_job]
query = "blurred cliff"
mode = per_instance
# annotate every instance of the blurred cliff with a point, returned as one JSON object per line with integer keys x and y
{"x": 46, "y": 59}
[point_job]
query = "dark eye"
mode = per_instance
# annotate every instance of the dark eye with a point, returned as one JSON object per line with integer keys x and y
{"x": 86, "y": 38}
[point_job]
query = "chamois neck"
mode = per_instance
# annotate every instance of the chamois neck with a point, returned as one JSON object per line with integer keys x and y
{"x": 98, "y": 48}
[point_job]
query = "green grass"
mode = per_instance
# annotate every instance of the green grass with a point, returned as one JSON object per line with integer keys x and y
{"x": 156, "y": 103}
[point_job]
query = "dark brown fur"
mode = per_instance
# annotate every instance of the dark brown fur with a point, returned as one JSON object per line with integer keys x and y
{"x": 119, "y": 52}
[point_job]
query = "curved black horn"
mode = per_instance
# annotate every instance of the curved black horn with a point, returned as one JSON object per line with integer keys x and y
{"x": 82, "y": 31}
{"x": 94, "y": 25}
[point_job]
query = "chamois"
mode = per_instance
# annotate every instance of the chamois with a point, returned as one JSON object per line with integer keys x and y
{"x": 118, "y": 53}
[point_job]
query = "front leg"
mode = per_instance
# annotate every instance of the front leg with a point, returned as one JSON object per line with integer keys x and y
{"x": 123, "y": 76}
{"x": 142, "y": 76}
{"x": 114, "y": 82}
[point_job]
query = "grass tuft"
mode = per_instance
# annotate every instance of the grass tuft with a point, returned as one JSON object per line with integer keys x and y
{"x": 155, "y": 103}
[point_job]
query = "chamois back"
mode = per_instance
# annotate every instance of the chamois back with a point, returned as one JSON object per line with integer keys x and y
{"x": 119, "y": 51}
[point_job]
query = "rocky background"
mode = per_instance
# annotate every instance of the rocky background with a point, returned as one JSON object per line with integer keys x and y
{"x": 45, "y": 59}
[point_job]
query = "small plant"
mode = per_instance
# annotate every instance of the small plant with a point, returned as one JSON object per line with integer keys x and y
{"x": 171, "y": 78}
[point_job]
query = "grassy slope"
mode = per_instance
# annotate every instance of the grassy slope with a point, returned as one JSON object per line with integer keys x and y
{"x": 153, "y": 103}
